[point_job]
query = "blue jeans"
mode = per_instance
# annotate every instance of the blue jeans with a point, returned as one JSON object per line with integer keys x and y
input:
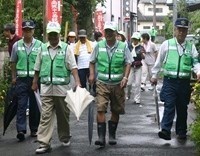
{"x": 175, "y": 94}
{"x": 24, "y": 92}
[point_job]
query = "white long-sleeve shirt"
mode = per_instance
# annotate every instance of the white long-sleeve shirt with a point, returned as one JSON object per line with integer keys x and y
{"x": 163, "y": 53}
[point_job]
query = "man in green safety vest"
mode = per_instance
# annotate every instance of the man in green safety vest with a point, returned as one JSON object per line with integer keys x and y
{"x": 112, "y": 60}
{"x": 23, "y": 58}
{"x": 54, "y": 64}
{"x": 153, "y": 33}
{"x": 178, "y": 58}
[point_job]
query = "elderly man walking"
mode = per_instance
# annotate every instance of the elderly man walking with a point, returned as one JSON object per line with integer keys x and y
{"x": 178, "y": 58}
{"x": 23, "y": 58}
{"x": 54, "y": 64}
{"x": 112, "y": 60}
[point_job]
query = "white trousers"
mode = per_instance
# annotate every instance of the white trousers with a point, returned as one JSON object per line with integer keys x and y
{"x": 146, "y": 72}
{"x": 134, "y": 79}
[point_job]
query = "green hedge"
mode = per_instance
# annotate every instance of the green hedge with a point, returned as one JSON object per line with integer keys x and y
{"x": 195, "y": 126}
{"x": 5, "y": 80}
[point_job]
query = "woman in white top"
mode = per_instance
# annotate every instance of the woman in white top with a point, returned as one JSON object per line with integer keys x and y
{"x": 150, "y": 58}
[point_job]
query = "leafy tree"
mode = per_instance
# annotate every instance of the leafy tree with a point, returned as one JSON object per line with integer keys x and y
{"x": 35, "y": 14}
{"x": 168, "y": 29}
{"x": 85, "y": 12}
{"x": 194, "y": 18}
{"x": 33, "y": 9}
{"x": 182, "y": 9}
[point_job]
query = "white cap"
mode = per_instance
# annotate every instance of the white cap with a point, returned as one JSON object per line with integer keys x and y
{"x": 122, "y": 33}
{"x": 136, "y": 35}
{"x": 110, "y": 25}
{"x": 53, "y": 27}
{"x": 72, "y": 33}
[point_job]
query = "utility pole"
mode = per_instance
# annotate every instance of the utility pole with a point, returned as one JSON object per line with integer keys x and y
{"x": 154, "y": 14}
{"x": 174, "y": 13}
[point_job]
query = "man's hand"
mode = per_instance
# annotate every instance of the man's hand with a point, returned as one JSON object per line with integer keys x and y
{"x": 13, "y": 81}
{"x": 91, "y": 79}
{"x": 154, "y": 81}
{"x": 124, "y": 82}
{"x": 34, "y": 86}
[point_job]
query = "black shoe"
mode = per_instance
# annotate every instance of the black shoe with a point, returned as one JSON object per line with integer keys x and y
{"x": 182, "y": 137}
{"x": 164, "y": 135}
{"x": 21, "y": 136}
{"x": 33, "y": 134}
{"x": 42, "y": 150}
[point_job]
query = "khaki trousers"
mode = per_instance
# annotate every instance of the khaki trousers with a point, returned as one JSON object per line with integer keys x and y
{"x": 51, "y": 106}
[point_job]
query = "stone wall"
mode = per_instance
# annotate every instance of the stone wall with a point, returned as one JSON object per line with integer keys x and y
{"x": 3, "y": 56}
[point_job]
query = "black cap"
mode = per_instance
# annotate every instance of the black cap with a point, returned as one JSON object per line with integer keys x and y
{"x": 28, "y": 24}
{"x": 182, "y": 22}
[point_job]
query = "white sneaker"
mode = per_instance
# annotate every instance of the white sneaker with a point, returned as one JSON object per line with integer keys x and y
{"x": 128, "y": 97}
{"x": 42, "y": 150}
{"x": 151, "y": 88}
{"x": 66, "y": 144}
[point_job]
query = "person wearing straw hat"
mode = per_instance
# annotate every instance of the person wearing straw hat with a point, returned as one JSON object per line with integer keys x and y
{"x": 71, "y": 38}
{"x": 112, "y": 60}
{"x": 54, "y": 64}
{"x": 177, "y": 57}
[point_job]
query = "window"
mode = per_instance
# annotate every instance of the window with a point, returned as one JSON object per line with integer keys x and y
{"x": 158, "y": 10}
{"x": 150, "y": 9}
{"x": 146, "y": 27}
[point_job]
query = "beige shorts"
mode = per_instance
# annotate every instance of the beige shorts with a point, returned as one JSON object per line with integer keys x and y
{"x": 110, "y": 94}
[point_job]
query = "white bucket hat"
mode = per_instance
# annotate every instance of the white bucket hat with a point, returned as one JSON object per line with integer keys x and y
{"x": 122, "y": 33}
{"x": 136, "y": 35}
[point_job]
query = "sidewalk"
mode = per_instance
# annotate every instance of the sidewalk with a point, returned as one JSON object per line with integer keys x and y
{"x": 136, "y": 135}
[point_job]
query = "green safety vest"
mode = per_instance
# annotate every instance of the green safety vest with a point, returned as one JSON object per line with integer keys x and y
{"x": 25, "y": 63}
{"x": 178, "y": 66}
{"x": 111, "y": 68}
{"x": 54, "y": 71}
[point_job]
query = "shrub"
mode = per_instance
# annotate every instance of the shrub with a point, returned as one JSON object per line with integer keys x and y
{"x": 195, "y": 135}
{"x": 5, "y": 79}
{"x": 195, "y": 127}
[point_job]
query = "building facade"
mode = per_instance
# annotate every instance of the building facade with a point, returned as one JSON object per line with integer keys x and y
{"x": 146, "y": 13}
{"x": 135, "y": 15}
{"x": 123, "y": 12}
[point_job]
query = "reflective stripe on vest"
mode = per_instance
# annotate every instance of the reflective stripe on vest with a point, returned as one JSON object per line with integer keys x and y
{"x": 31, "y": 73}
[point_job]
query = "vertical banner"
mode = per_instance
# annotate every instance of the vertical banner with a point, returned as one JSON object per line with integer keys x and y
{"x": 18, "y": 17}
{"x": 53, "y": 11}
{"x": 99, "y": 21}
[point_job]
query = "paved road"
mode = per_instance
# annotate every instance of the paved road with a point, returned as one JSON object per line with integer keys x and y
{"x": 137, "y": 136}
